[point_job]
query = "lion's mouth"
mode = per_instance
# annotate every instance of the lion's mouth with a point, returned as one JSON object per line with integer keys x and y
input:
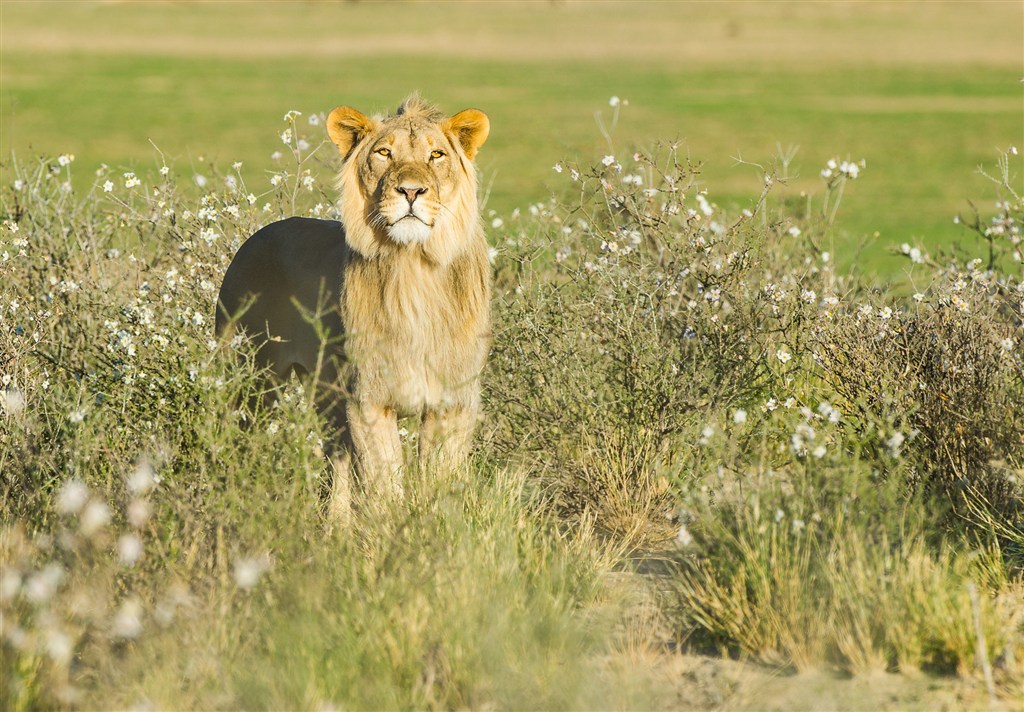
{"x": 411, "y": 216}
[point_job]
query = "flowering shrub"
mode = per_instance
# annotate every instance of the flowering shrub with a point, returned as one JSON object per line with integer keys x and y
{"x": 667, "y": 372}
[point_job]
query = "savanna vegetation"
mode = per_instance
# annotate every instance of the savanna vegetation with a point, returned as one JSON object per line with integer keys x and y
{"x": 710, "y": 435}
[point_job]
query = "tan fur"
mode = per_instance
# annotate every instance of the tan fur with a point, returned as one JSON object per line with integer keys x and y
{"x": 407, "y": 282}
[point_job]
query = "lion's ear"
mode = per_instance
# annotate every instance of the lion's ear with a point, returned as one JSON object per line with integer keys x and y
{"x": 470, "y": 128}
{"x": 346, "y": 127}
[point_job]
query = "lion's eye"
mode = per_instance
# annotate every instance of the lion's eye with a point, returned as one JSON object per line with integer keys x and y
{"x": 386, "y": 152}
{"x": 437, "y": 154}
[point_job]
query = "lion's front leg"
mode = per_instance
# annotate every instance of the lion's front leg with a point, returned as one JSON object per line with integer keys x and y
{"x": 446, "y": 435}
{"x": 378, "y": 451}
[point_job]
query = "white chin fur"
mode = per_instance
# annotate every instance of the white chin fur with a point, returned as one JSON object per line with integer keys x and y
{"x": 409, "y": 232}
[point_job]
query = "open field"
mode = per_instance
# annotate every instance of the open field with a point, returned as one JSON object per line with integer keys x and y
{"x": 724, "y": 465}
{"x": 923, "y": 96}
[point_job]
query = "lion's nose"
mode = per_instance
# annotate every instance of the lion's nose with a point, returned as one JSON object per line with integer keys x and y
{"x": 412, "y": 191}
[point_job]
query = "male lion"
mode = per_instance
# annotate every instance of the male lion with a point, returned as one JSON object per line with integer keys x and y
{"x": 407, "y": 283}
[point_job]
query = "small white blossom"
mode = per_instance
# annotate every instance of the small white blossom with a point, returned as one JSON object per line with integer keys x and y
{"x": 739, "y": 417}
{"x": 127, "y": 622}
{"x": 129, "y": 549}
{"x": 783, "y": 355}
{"x": 12, "y": 401}
{"x": 72, "y": 497}
{"x": 42, "y": 585}
{"x": 142, "y": 479}
{"x": 684, "y": 537}
{"x": 249, "y": 570}
{"x": 95, "y": 516}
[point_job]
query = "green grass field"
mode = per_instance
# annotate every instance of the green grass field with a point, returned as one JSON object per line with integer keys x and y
{"x": 925, "y": 97}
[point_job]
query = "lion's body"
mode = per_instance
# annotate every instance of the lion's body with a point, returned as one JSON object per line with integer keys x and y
{"x": 405, "y": 281}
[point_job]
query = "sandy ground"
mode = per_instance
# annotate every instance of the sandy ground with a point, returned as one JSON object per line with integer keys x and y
{"x": 669, "y": 676}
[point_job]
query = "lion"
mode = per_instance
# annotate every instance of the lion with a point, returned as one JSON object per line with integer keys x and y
{"x": 405, "y": 279}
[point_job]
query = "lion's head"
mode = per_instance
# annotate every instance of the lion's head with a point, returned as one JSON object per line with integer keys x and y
{"x": 408, "y": 180}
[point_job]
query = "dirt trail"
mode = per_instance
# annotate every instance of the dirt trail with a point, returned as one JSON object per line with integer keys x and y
{"x": 671, "y": 677}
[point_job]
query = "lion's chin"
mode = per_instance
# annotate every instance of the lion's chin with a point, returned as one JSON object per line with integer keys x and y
{"x": 409, "y": 231}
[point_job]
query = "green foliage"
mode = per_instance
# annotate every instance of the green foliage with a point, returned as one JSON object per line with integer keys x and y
{"x": 666, "y": 373}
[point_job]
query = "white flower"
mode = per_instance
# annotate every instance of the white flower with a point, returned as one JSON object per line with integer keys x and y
{"x": 41, "y": 585}
{"x": 850, "y": 170}
{"x": 138, "y": 513}
{"x": 895, "y": 442}
{"x": 65, "y": 159}
{"x": 131, "y": 180}
{"x": 915, "y": 255}
{"x": 704, "y": 206}
{"x": 770, "y": 404}
{"x": 164, "y": 170}
{"x": 200, "y": 180}
{"x": 794, "y": 231}
{"x": 249, "y": 570}
{"x": 809, "y": 296}
{"x": 614, "y": 101}
{"x": 286, "y": 137}
{"x": 497, "y": 223}
{"x": 292, "y": 113}
{"x": 12, "y": 401}
{"x": 608, "y": 160}
{"x": 684, "y": 537}
{"x": 1008, "y": 343}
{"x": 818, "y": 452}
{"x": 557, "y": 168}
{"x": 76, "y": 416}
{"x": 918, "y": 297}
{"x": 129, "y": 549}
{"x": 142, "y": 479}
{"x": 739, "y": 417}
{"x": 127, "y": 622}
{"x": 783, "y": 355}
{"x": 95, "y": 516}
{"x": 72, "y": 497}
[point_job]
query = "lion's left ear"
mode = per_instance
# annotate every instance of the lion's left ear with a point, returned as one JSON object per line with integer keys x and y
{"x": 470, "y": 128}
{"x": 346, "y": 127}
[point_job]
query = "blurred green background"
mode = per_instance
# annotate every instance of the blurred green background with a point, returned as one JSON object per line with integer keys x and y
{"x": 925, "y": 92}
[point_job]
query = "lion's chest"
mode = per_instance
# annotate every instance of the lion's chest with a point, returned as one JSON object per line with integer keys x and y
{"x": 411, "y": 348}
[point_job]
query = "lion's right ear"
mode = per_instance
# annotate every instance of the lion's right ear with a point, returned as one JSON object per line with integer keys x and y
{"x": 346, "y": 127}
